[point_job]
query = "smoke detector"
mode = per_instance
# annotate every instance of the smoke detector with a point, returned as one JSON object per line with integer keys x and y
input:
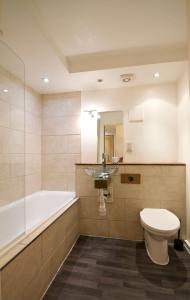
{"x": 127, "y": 77}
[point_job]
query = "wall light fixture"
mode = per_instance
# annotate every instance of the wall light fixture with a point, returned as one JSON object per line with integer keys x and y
{"x": 93, "y": 114}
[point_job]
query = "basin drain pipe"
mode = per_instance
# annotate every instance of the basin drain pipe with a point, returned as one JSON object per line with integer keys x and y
{"x": 102, "y": 207}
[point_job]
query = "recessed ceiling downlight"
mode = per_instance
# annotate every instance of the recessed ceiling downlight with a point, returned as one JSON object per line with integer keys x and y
{"x": 5, "y": 90}
{"x": 156, "y": 75}
{"x": 45, "y": 79}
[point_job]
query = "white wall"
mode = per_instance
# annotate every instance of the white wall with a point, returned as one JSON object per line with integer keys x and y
{"x": 184, "y": 137}
{"x": 155, "y": 139}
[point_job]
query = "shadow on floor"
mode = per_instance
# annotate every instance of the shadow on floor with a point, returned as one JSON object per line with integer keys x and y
{"x": 173, "y": 275}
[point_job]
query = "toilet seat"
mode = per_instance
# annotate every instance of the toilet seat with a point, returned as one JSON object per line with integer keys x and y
{"x": 159, "y": 220}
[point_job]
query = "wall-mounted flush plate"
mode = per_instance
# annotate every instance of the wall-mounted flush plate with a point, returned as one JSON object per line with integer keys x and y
{"x": 131, "y": 178}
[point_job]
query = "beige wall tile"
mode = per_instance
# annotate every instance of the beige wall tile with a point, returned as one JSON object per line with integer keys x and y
{"x": 4, "y": 166}
{"x": 94, "y": 227}
{"x": 33, "y": 103}
{"x": 126, "y": 190}
{"x": 4, "y": 133}
{"x": 60, "y": 162}
{"x": 149, "y": 170}
{"x": 16, "y": 93}
{"x": 33, "y": 143}
{"x": 80, "y": 171}
{"x": 86, "y": 189}
{"x": 32, "y": 163}
{"x": 89, "y": 208}
{"x": 17, "y": 165}
{"x": 17, "y": 118}
{"x": 57, "y": 258}
{"x": 85, "y": 186}
{"x": 10, "y": 253}
{"x": 71, "y": 237}
{"x": 55, "y": 235}
{"x": 134, "y": 206}
{"x": 175, "y": 206}
{"x": 36, "y": 288}
{"x": 71, "y": 217}
{"x": 4, "y": 114}
{"x": 14, "y": 283}
{"x": 73, "y": 144}
{"x": 153, "y": 187}
{"x": 117, "y": 229}
{"x": 11, "y": 141}
{"x": 54, "y": 106}
{"x": 125, "y": 230}
{"x": 134, "y": 231}
{"x": 70, "y": 181}
{"x": 33, "y": 183}
{"x": 54, "y": 181}
{"x": 61, "y": 139}
{"x": 32, "y": 123}
{"x": 61, "y": 104}
{"x": 50, "y": 265}
{"x": 174, "y": 188}
{"x": 116, "y": 210}
{"x": 74, "y": 105}
{"x": 178, "y": 208}
{"x": 61, "y": 125}
{"x": 52, "y": 144}
{"x": 16, "y": 142}
{"x": 12, "y": 189}
{"x": 173, "y": 171}
{"x": 52, "y": 238}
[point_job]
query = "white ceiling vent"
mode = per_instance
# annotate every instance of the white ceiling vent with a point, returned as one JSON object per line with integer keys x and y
{"x": 127, "y": 77}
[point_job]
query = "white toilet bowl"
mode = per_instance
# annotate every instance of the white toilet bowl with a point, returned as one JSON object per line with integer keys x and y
{"x": 159, "y": 226}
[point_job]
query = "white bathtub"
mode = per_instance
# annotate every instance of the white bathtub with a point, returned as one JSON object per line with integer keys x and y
{"x": 25, "y": 214}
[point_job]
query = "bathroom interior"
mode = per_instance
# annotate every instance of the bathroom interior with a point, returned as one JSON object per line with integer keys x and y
{"x": 94, "y": 149}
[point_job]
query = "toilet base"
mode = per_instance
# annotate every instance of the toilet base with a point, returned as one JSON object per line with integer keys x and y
{"x": 157, "y": 249}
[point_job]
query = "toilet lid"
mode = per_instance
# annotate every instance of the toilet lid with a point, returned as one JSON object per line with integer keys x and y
{"x": 159, "y": 219}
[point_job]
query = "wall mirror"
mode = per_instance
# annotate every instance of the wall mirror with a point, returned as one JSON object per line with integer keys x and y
{"x": 110, "y": 136}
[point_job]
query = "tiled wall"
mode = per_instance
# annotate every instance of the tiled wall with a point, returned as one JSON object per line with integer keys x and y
{"x": 12, "y": 181}
{"x": 33, "y": 108}
{"x": 21, "y": 139}
{"x": 161, "y": 187}
{"x": 61, "y": 140}
{"x": 20, "y": 133}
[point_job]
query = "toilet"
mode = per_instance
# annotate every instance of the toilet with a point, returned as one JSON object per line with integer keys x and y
{"x": 159, "y": 226}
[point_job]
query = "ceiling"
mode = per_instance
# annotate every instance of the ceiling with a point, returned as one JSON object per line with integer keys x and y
{"x": 74, "y": 42}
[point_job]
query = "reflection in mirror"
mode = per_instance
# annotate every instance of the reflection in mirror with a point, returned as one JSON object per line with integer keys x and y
{"x": 110, "y": 136}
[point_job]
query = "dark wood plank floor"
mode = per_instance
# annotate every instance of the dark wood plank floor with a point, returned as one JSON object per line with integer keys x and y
{"x": 101, "y": 268}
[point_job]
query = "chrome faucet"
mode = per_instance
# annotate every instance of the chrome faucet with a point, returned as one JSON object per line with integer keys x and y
{"x": 104, "y": 160}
